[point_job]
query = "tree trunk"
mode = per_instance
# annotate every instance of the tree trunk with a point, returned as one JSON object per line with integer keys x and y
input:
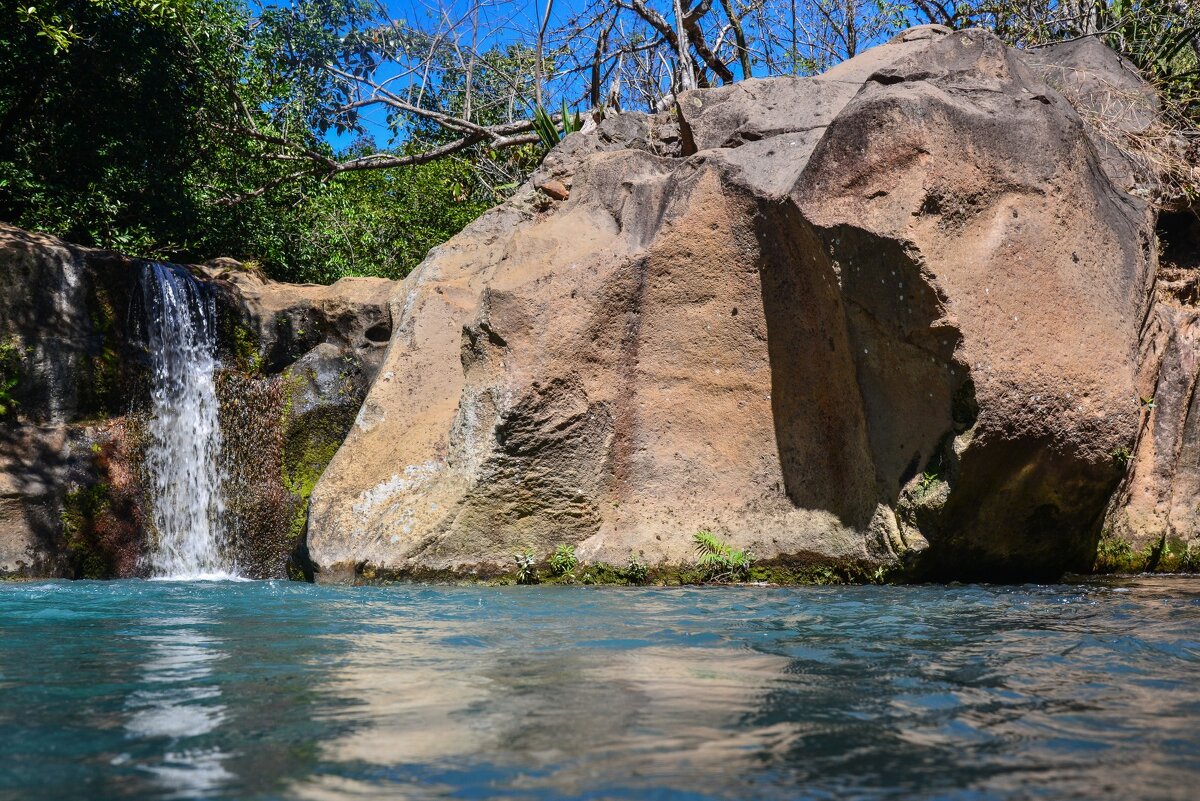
{"x": 687, "y": 75}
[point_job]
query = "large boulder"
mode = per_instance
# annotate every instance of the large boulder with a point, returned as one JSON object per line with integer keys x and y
{"x": 887, "y": 311}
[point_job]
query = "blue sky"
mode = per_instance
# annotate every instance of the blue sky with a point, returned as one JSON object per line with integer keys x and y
{"x": 496, "y": 23}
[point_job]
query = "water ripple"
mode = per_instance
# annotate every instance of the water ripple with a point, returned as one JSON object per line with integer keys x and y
{"x": 267, "y": 690}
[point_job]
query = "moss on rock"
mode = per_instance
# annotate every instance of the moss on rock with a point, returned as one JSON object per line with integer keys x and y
{"x": 797, "y": 571}
{"x": 103, "y": 526}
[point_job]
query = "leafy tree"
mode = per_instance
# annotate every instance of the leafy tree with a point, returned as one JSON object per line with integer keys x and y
{"x": 120, "y": 129}
{"x": 186, "y": 129}
{"x": 98, "y": 132}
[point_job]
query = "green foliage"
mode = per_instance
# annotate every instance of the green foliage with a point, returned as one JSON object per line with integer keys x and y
{"x": 1115, "y": 555}
{"x": 1158, "y": 36}
{"x": 246, "y": 350}
{"x": 928, "y": 480}
{"x": 116, "y": 138}
{"x": 563, "y": 561}
{"x": 719, "y": 561}
{"x": 374, "y": 223}
{"x": 1189, "y": 559}
{"x": 10, "y": 376}
{"x": 53, "y": 20}
{"x": 526, "y": 567}
{"x": 1121, "y": 457}
{"x": 81, "y": 507}
{"x": 547, "y": 129}
{"x": 636, "y": 570}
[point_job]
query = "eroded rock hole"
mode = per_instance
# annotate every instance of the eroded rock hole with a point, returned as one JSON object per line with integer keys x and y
{"x": 379, "y": 333}
{"x": 1178, "y": 235}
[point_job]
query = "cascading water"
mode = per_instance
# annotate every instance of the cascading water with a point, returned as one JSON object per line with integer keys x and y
{"x": 183, "y": 453}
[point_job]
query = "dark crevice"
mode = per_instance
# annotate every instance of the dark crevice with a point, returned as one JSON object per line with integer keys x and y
{"x": 1178, "y": 278}
{"x": 379, "y": 333}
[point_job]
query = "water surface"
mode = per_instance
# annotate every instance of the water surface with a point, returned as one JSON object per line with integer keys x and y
{"x": 262, "y": 690}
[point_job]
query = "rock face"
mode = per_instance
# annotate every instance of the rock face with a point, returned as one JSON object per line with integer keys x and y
{"x": 1153, "y": 522}
{"x": 73, "y": 401}
{"x": 890, "y": 310}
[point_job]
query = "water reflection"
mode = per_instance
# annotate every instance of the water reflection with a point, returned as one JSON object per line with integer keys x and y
{"x": 254, "y": 691}
{"x": 181, "y": 703}
{"x": 438, "y": 702}
{"x": 831, "y": 694}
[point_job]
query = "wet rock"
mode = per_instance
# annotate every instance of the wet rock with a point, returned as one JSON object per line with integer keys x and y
{"x": 73, "y": 393}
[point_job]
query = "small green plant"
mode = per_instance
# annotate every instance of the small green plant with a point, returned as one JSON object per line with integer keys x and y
{"x": 720, "y": 561}
{"x": 636, "y": 571}
{"x": 1148, "y": 403}
{"x": 10, "y": 375}
{"x": 1114, "y": 555}
{"x": 1121, "y": 457}
{"x": 526, "y": 572}
{"x": 547, "y": 130}
{"x": 928, "y": 479}
{"x": 563, "y": 561}
{"x": 1189, "y": 561}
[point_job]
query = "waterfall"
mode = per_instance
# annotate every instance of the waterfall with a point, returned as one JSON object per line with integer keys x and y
{"x": 184, "y": 447}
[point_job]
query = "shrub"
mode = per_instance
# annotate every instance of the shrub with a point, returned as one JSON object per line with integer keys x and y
{"x": 636, "y": 571}
{"x": 526, "y": 572}
{"x": 1121, "y": 457}
{"x": 720, "y": 561}
{"x": 563, "y": 561}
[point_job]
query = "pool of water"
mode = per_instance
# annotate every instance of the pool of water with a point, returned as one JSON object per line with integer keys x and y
{"x": 257, "y": 690}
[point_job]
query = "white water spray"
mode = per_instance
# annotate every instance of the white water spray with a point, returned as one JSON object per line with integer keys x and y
{"x": 184, "y": 449}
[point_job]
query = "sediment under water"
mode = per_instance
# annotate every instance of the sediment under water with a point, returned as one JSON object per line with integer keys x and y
{"x": 257, "y": 690}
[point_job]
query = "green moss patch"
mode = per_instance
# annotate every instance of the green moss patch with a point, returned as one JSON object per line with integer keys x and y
{"x": 803, "y": 571}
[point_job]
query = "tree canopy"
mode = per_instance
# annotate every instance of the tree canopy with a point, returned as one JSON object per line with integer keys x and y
{"x": 324, "y": 138}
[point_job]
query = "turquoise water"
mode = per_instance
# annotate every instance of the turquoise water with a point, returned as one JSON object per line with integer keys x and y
{"x": 256, "y": 690}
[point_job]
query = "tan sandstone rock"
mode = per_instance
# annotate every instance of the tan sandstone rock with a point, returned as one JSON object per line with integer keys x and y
{"x": 842, "y": 318}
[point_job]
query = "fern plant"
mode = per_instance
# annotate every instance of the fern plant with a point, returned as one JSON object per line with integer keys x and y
{"x": 720, "y": 561}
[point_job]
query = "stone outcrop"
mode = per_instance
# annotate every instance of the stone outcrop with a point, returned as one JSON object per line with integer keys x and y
{"x": 73, "y": 375}
{"x": 889, "y": 315}
{"x": 1153, "y": 522}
